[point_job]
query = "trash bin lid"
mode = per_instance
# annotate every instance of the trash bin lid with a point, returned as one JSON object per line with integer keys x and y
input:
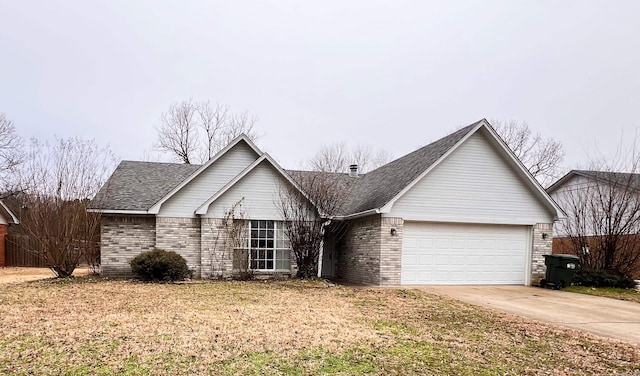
{"x": 564, "y": 257}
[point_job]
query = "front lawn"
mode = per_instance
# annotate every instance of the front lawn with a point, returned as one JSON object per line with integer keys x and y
{"x": 609, "y": 292}
{"x": 88, "y": 326}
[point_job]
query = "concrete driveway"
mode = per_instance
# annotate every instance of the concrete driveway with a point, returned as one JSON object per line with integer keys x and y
{"x": 602, "y": 316}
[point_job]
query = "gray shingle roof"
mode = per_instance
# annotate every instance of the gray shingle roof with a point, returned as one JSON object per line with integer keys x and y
{"x": 139, "y": 185}
{"x": 623, "y": 178}
{"x": 379, "y": 186}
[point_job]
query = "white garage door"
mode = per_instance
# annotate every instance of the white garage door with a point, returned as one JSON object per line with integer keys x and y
{"x": 459, "y": 254}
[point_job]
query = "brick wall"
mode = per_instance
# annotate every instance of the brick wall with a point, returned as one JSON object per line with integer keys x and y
{"x": 181, "y": 235}
{"x": 122, "y": 239}
{"x": 540, "y": 247}
{"x": 358, "y": 252}
{"x": 3, "y": 235}
{"x": 217, "y": 254}
{"x": 390, "y": 251}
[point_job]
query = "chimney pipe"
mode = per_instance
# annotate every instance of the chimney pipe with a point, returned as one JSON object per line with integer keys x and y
{"x": 353, "y": 170}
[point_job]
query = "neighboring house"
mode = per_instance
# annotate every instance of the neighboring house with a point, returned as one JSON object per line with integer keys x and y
{"x": 461, "y": 210}
{"x": 589, "y": 198}
{"x": 7, "y": 218}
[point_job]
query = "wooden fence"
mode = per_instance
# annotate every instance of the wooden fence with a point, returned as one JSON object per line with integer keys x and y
{"x": 19, "y": 252}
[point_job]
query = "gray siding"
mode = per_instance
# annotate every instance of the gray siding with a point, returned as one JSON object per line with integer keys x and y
{"x": 259, "y": 191}
{"x": 122, "y": 239}
{"x": 195, "y": 193}
{"x": 472, "y": 185}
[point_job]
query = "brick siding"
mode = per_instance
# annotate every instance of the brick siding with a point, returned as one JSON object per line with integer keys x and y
{"x": 369, "y": 254}
{"x": 122, "y": 238}
{"x": 541, "y": 247}
{"x": 181, "y": 235}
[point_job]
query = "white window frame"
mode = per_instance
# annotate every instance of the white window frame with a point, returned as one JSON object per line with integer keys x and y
{"x": 277, "y": 226}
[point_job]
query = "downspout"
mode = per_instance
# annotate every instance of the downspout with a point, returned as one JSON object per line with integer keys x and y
{"x": 321, "y": 253}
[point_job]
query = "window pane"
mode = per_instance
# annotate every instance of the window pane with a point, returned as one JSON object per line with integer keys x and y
{"x": 270, "y": 234}
{"x": 254, "y": 264}
{"x": 254, "y": 224}
{"x": 269, "y": 243}
{"x": 260, "y": 264}
{"x": 282, "y": 264}
{"x": 269, "y": 254}
{"x": 254, "y": 233}
{"x": 262, "y": 243}
{"x": 270, "y": 224}
{"x": 270, "y": 264}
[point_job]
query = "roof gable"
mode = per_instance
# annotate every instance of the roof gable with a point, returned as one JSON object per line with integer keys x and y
{"x": 242, "y": 138}
{"x": 626, "y": 178}
{"x": 379, "y": 189}
{"x": 376, "y": 188}
{"x": 265, "y": 158}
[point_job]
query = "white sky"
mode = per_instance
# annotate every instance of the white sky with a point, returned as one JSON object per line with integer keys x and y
{"x": 391, "y": 74}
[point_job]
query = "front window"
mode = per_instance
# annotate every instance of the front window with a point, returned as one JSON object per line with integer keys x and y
{"x": 269, "y": 247}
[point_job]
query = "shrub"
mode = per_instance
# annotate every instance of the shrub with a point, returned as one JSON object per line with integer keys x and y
{"x": 603, "y": 278}
{"x": 160, "y": 265}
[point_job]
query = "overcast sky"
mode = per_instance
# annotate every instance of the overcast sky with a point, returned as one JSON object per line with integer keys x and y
{"x": 391, "y": 74}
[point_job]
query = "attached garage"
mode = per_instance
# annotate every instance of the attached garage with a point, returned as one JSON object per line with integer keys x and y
{"x": 450, "y": 253}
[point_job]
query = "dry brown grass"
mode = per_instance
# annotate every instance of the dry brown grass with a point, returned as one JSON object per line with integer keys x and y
{"x": 89, "y": 326}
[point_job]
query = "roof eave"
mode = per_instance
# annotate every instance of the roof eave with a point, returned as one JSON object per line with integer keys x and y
{"x": 119, "y": 211}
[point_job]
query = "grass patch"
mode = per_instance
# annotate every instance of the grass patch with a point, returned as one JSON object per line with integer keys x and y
{"x": 632, "y": 295}
{"x": 101, "y": 327}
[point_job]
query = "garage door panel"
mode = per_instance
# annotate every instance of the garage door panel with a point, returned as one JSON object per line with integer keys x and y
{"x": 463, "y": 254}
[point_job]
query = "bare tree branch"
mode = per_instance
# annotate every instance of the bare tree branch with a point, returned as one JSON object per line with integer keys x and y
{"x": 196, "y": 131}
{"x": 603, "y": 213}
{"x": 542, "y": 157}
{"x": 306, "y": 213}
{"x": 62, "y": 178}
{"x": 177, "y": 133}
{"x": 11, "y": 155}
{"x": 337, "y": 158}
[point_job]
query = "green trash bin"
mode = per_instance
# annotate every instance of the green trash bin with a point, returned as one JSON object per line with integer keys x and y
{"x": 560, "y": 270}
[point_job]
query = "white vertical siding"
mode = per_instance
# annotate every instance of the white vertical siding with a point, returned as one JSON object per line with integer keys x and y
{"x": 190, "y": 197}
{"x": 260, "y": 189}
{"x": 473, "y": 184}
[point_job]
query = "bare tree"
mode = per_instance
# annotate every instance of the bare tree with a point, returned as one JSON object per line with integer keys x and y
{"x": 603, "y": 213}
{"x": 306, "y": 212}
{"x": 338, "y": 157}
{"x": 62, "y": 179}
{"x": 195, "y": 131}
{"x": 541, "y": 156}
{"x": 11, "y": 155}
{"x": 177, "y": 132}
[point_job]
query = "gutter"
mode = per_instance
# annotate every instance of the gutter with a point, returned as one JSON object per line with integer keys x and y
{"x": 108, "y": 211}
{"x": 358, "y": 215}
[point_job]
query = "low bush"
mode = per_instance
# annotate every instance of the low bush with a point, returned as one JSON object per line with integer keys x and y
{"x": 160, "y": 266}
{"x": 603, "y": 278}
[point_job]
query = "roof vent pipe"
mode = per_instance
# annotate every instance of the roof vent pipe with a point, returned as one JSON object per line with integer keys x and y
{"x": 353, "y": 170}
